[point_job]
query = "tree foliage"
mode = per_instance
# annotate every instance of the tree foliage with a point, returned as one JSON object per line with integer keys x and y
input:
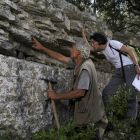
{"x": 120, "y": 14}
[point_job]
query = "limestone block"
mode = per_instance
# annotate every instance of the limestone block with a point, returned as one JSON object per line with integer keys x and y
{"x": 27, "y": 2}
{"x": 4, "y": 36}
{"x": 33, "y": 9}
{"x": 56, "y": 16}
{"x": 25, "y": 25}
{"x": 49, "y": 2}
{"x": 73, "y": 9}
{"x": 4, "y": 25}
{"x": 20, "y": 33}
{"x": 103, "y": 79}
{"x": 6, "y": 46}
{"x": 23, "y": 15}
{"x": 78, "y": 15}
{"x": 41, "y": 4}
{"x": 11, "y": 4}
{"x": 65, "y": 24}
{"x": 64, "y": 39}
{"x": 6, "y": 13}
{"x": 23, "y": 93}
{"x": 60, "y": 3}
{"x": 45, "y": 24}
{"x": 75, "y": 27}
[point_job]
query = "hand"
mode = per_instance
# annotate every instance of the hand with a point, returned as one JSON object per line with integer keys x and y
{"x": 36, "y": 44}
{"x": 74, "y": 52}
{"x": 51, "y": 94}
{"x": 138, "y": 70}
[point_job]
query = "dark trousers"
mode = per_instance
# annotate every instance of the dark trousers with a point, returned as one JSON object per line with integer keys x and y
{"x": 117, "y": 81}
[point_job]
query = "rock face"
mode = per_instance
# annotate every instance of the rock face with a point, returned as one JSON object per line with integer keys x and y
{"x": 56, "y": 24}
{"x": 128, "y": 38}
{"x": 23, "y": 93}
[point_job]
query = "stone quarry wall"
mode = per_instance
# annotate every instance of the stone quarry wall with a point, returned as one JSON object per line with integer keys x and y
{"x": 23, "y": 105}
{"x": 56, "y": 24}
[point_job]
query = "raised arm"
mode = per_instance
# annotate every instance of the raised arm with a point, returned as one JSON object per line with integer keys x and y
{"x": 77, "y": 93}
{"x": 85, "y": 38}
{"x": 37, "y": 45}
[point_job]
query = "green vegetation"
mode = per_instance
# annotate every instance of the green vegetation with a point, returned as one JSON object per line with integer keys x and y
{"x": 121, "y": 127}
{"x": 116, "y": 13}
{"x": 66, "y": 132}
{"x": 117, "y": 104}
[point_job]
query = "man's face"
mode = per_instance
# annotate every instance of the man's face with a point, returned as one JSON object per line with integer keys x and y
{"x": 96, "y": 45}
{"x": 74, "y": 52}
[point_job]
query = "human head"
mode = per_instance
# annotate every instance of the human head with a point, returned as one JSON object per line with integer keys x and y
{"x": 79, "y": 49}
{"x": 84, "y": 51}
{"x": 98, "y": 40}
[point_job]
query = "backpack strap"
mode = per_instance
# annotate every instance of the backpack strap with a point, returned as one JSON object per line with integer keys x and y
{"x": 120, "y": 55}
{"x": 118, "y": 50}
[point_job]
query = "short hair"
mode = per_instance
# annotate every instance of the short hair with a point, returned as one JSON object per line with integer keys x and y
{"x": 84, "y": 50}
{"x": 99, "y": 37}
